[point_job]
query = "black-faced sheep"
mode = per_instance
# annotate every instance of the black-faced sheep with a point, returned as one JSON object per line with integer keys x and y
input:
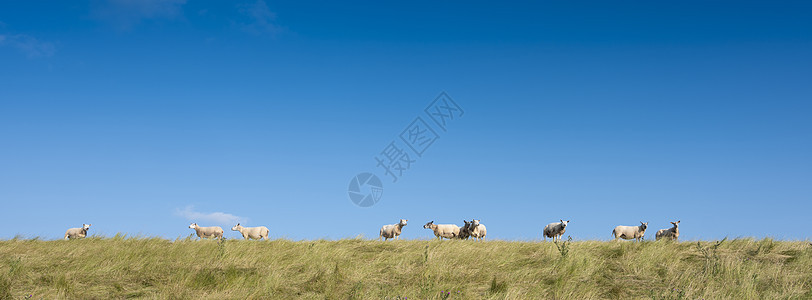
{"x": 630, "y": 232}
{"x": 441, "y": 231}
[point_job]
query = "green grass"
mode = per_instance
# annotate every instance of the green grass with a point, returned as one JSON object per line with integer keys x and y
{"x": 122, "y": 267}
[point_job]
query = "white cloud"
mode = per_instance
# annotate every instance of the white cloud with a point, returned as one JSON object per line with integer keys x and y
{"x": 261, "y": 18}
{"x": 219, "y": 218}
{"x": 124, "y": 14}
{"x": 28, "y": 45}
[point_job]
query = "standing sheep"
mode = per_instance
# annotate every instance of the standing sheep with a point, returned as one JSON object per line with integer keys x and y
{"x": 477, "y": 230}
{"x": 248, "y": 233}
{"x": 392, "y": 231}
{"x": 465, "y": 231}
{"x": 670, "y": 233}
{"x": 441, "y": 231}
{"x": 77, "y": 233}
{"x": 207, "y": 232}
{"x": 630, "y": 232}
{"x": 555, "y": 230}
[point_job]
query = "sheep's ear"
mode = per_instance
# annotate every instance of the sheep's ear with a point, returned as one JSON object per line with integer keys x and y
{"x": 568, "y": 221}
{"x": 678, "y": 222}
{"x": 562, "y": 221}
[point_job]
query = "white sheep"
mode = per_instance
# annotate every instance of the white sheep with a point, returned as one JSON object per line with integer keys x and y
{"x": 555, "y": 230}
{"x": 477, "y": 230}
{"x": 248, "y": 233}
{"x": 392, "y": 231}
{"x": 630, "y": 232}
{"x": 670, "y": 233}
{"x": 207, "y": 232}
{"x": 77, "y": 233}
{"x": 441, "y": 231}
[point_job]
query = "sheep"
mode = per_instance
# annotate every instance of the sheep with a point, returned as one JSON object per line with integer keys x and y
{"x": 477, "y": 230}
{"x": 77, "y": 233}
{"x": 465, "y": 231}
{"x": 392, "y": 231}
{"x": 248, "y": 233}
{"x": 555, "y": 230}
{"x": 670, "y": 233}
{"x": 441, "y": 231}
{"x": 630, "y": 232}
{"x": 207, "y": 232}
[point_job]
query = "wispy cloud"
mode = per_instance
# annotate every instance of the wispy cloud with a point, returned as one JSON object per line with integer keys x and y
{"x": 261, "y": 20}
{"x": 215, "y": 217}
{"x": 28, "y": 45}
{"x": 125, "y": 14}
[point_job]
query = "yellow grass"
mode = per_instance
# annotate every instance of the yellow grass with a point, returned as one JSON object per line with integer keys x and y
{"x": 122, "y": 267}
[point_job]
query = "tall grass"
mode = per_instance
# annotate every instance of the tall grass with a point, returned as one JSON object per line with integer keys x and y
{"x": 137, "y": 267}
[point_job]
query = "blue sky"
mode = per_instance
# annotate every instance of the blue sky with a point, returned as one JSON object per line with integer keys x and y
{"x": 142, "y": 116}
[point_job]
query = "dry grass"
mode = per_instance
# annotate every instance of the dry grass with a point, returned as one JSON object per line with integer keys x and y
{"x": 121, "y": 267}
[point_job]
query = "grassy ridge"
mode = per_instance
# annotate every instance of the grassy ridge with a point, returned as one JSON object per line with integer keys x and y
{"x": 121, "y": 267}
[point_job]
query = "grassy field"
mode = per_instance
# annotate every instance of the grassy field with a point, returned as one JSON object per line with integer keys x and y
{"x": 122, "y": 267}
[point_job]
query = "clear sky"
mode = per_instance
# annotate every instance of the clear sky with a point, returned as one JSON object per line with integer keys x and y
{"x": 143, "y": 116}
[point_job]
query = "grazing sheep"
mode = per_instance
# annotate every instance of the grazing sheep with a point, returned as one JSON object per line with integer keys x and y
{"x": 441, "y": 231}
{"x": 555, "y": 230}
{"x": 477, "y": 230}
{"x": 392, "y": 231}
{"x": 248, "y": 233}
{"x": 207, "y": 232}
{"x": 670, "y": 233}
{"x": 77, "y": 233}
{"x": 465, "y": 231}
{"x": 630, "y": 232}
